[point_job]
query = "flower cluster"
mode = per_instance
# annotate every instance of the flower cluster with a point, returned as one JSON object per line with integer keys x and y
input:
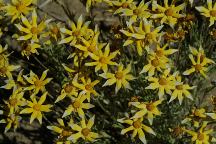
{"x": 71, "y": 71}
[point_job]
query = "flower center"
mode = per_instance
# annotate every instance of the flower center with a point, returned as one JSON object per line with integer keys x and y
{"x": 20, "y": 6}
{"x": 169, "y": 12}
{"x": 76, "y": 33}
{"x": 13, "y": 101}
{"x": 38, "y": 83}
{"x": 149, "y": 36}
{"x": 125, "y": 5}
{"x": 155, "y": 62}
{"x": 37, "y": 107}
{"x": 137, "y": 11}
{"x": 65, "y": 133}
{"x": 68, "y": 88}
{"x": 119, "y": 75}
{"x": 163, "y": 81}
{"x": 159, "y": 53}
{"x": 76, "y": 104}
{"x": 34, "y": 30}
{"x": 88, "y": 87}
{"x": 150, "y": 107}
{"x": 200, "y": 136}
{"x": 86, "y": 131}
{"x": 137, "y": 124}
{"x": 3, "y": 70}
{"x": 55, "y": 30}
{"x": 179, "y": 87}
{"x": 102, "y": 60}
{"x": 198, "y": 67}
{"x": 213, "y": 13}
{"x": 197, "y": 113}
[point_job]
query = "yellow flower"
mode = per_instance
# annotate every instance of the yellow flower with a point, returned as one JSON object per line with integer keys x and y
{"x": 201, "y": 136}
{"x": 15, "y": 101}
{"x": 37, "y": 84}
{"x": 83, "y": 131}
{"x": 89, "y": 46}
{"x": 149, "y": 108}
{"x": 144, "y": 35}
{"x": 120, "y": 77}
{"x": 77, "y": 105}
{"x": 12, "y": 120}
{"x": 18, "y": 7}
{"x": 36, "y": 108}
{"x": 68, "y": 90}
{"x": 75, "y": 33}
{"x": 6, "y": 69}
{"x": 162, "y": 52}
{"x": 87, "y": 87}
{"x": 212, "y": 115}
{"x": 201, "y": 52}
{"x": 167, "y": 14}
{"x": 136, "y": 12}
{"x": 155, "y": 63}
{"x": 102, "y": 59}
{"x": 137, "y": 127}
{"x": 54, "y": 31}
{"x": 198, "y": 114}
{"x": 30, "y": 48}
{"x": 18, "y": 83}
{"x": 118, "y": 5}
{"x": 32, "y": 29}
{"x": 165, "y": 83}
{"x": 63, "y": 130}
{"x": 198, "y": 66}
{"x": 181, "y": 90}
{"x": 209, "y": 12}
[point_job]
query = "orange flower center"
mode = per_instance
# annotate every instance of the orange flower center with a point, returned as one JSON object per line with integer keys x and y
{"x": 3, "y": 70}
{"x": 213, "y": 13}
{"x": 88, "y": 87}
{"x": 20, "y": 6}
{"x": 197, "y": 113}
{"x": 137, "y": 11}
{"x": 198, "y": 67}
{"x": 37, "y": 107}
{"x": 28, "y": 48}
{"x": 65, "y": 133}
{"x": 76, "y": 33}
{"x": 137, "y": 124}
{"x": 76, "y": 104}
{"x": 200, "y": 136}
{"x": 102, "y": 60}
{"x": 55, "y": 30}
{"x": 13, "y": 101}
{"x": 149, "y": 36}
{"x": 159, "y": 53}
{"x": 38, "y": 83}
{"x": 34, "y": 30}
{"x": 68, "y": 88}
{"x": 155, "y": 62}
{"x": 163, "y": 81}
{"x": 169, "y": 12}
{"x": 119, "y": 75}
{"x": 125, "y": 5}
{"x": 150, "y": 107}
{"x": 179, "y": 87}
{"x": 86, "y": 131}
